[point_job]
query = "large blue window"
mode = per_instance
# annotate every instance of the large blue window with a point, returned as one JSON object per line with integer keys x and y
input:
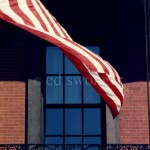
{"x": 73, "y": 109}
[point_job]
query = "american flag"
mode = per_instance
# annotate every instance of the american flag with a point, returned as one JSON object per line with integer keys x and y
{"x": 31, "y": 15}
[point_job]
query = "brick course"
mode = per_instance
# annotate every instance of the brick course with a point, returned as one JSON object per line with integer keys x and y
{"x": 12, "y": 112}
{"x": 134, "y": 127}
{"x": 12, "y": 84}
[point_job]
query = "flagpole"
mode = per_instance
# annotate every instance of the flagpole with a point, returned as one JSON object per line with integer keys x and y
{"x": 147, "y": 48}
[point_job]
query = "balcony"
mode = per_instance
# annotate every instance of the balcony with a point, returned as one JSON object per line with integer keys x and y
{"x": 74, "y": 147}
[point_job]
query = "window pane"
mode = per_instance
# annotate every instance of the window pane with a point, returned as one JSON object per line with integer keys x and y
{"x": 54, "y": 60}
{"x": 54, "y": 121}
{"x": 92, "y": 140}
{"x": 69, "y": 67}
{"x": 54, "y": 140}
{"x": 92, "y": 120}
{"x": 73, "y": 140}
{"x": 90, "y": 95}
{"x": 73, "y": 121}
{"x": 73, "y": 89}
{"x": 65, "y": 125}
{"x": 54, "y": 90}
{"x": 94, "y": 49}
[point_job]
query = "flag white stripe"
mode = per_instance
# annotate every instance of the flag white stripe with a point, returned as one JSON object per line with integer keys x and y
{"x": 68, "y": 36}
{"x": 77, "y": 49}
{"x": 111, "y": 75}
{"x": 118, "y": 78}
{"x": 52, "y": 20}
{"x": 64, "y": 32}
{"x": 90, "y": 58}
{"x": 93, "y": 63}
{"x": 116, "y": 84}
{"x": 107, "y": 89}
{"x": 50, "y": 29}
{"x": 83, "y": 53}
{"x": 105, "y": 64}
{"x": 6, "y": 9}
{"x": 108, "y": 67}
{"x": 25, "y": 9}
{"x": 74, "y": 48}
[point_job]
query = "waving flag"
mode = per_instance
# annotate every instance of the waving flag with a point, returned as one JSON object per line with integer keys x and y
{"x": 31, "y": 15}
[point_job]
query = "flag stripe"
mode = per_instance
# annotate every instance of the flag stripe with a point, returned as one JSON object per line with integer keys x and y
{"x": 25, "y": 9}
{"x": 107, "y": 68}
{"x": 63, "y": 31}
{"x": 90, "y": 57}
{"x": 105, "y": 79}
{"x": 117, "y": 84}
{"x": 94, "y": 57}
{"x": 111, "y": 104}
{"x": 105, "y": 87}
{"x": 79, "y": 55}
{"x": 19, "y": 12}
{"x": 36, "y": 14}
{"x": 41, "y": 13}
{"x": 56, "y": 42}
{"x": 113, "y": 87}
{"x": 51, "y": 19}
{"x": 117, "y": 78}
{"x": 6, "y": 9}
{"x": 100, "y": 87}
{"x": 104, "y": 64}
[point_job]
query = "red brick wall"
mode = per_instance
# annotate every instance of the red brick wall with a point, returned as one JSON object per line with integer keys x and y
{"x": 134, "y": 127}
{"x": 13, "y": 64}
{"x": 12, "y": 112}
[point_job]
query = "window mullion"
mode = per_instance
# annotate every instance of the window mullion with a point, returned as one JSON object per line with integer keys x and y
{"x": 76, "y": 100}
{"x": 64, "y": 99}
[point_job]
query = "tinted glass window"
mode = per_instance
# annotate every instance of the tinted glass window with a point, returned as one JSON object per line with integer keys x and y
{"x": 73, "y": 107}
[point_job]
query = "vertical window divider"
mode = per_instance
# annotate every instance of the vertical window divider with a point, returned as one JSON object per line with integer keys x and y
{"x": 82, "y": 96}
{"x": 63, "y": 99}
{"x": 79, "y": 100}
{"x": 45, "y": 98}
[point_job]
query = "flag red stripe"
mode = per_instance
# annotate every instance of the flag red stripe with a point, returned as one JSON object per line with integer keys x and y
{"x": 85, "y": 61}
{"x": 108, "y": 82}
{"x": 55, "y": 42}
{"x": 103, "y": 76}
{"x": 48, "y": 19}
{"x": 36, "y": 14}
{"x": 116, "y": 78}
{"x": 14, "y": 6}
{"x": 91, "y": 80}
{"x": 62, "y": 30}
{"x": 60, "y": 27}
{"x": 40, "y": 20}
{"x": 98, "y": 60}
{"x": 8, "y": 19}
{"x": 80, "y": 67}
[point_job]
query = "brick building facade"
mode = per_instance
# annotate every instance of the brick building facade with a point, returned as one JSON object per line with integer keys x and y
{"x": 134, "y": 124}
{"x": 12, "y": 86}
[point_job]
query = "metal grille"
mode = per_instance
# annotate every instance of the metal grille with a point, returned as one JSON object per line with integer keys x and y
{"x": 77, "y": 147}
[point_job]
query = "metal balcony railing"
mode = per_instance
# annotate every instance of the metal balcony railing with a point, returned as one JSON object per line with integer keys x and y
{"x": 74, "y": 147}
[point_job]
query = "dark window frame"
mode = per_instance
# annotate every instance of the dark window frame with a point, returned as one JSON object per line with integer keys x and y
{"x": 64, "y": 106}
